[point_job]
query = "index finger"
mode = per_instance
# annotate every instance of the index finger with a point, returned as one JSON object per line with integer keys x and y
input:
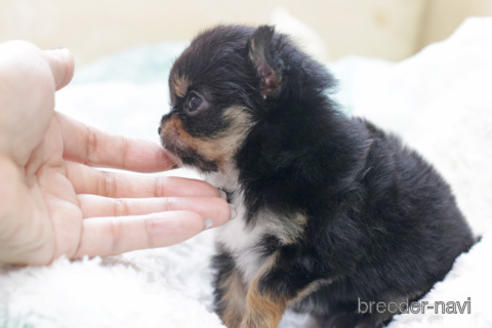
{"x": 87, "y": 145}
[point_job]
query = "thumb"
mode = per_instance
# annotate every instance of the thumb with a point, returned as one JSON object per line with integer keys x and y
{"x": 61, "y": 64}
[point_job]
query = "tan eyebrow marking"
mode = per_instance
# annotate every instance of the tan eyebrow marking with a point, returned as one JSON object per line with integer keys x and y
{"x": 180, "y": 85}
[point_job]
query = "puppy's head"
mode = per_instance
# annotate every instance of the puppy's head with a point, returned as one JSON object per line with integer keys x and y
{"x": 219, "y": 87}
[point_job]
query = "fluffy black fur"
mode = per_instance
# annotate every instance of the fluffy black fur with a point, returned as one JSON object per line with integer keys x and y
{"x": 381, "y": 223}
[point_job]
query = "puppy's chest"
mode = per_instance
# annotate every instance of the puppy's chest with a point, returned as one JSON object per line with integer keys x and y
{"x": 250, "y": 244}
{"x": 244, "y": 241}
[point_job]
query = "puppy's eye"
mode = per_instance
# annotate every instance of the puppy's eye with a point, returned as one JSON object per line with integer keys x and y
{"x": 194, "y": 103}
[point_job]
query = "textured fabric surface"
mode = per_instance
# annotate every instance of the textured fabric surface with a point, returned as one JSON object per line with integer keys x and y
{"x": 439, "y": 101}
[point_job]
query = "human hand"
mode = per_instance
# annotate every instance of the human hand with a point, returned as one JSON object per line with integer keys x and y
{"x": 53, "y": 202}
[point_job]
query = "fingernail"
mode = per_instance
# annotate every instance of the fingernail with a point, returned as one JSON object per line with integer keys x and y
{"x": 208, "y": 223}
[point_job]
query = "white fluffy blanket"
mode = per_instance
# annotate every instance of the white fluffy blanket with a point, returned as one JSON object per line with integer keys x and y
{"x": 439, "y": 101}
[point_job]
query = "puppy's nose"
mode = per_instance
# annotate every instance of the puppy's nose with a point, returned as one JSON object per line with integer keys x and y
{"x": 159, "y": 129}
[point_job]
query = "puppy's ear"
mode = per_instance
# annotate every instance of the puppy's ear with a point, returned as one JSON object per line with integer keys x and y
{"x": 261, "y": 53}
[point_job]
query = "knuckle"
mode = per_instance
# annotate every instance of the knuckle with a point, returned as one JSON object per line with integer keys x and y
{"x": 168, "y": 203}
{"x": 149, "y": 226}
{"x": 116, "y": 233}
{"x": 120, "y": 207}
{"x": 91, "y": 146}
{"x": 159, "y": 186}
{"x": 108, "y": 184}
{"x": 124, "y": 151}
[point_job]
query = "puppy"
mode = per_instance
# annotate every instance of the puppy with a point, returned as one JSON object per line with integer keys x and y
{"x": 328, "y": 210}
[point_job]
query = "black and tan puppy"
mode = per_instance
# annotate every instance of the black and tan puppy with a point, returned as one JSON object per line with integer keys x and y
{"x": 329, "y": 210}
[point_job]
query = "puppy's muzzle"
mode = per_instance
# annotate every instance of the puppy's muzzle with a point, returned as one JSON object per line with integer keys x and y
{"x": 169, "y": 134}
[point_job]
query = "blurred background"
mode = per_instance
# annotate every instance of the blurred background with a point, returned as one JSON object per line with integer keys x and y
{"x": 385, "y": 29}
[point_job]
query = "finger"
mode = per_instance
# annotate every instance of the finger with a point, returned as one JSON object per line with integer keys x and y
{"x": 208, "y": 207}
{"x": 88, "y": 180}
{"x": 61, "y": 64}
{"x": 111, "y": 236}
{"x": 90, "y": 146}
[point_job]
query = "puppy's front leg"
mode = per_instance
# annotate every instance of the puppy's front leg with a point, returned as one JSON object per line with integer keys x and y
{"x": 230, "y": 290}
{"x": 232, "y": 302}
{"x": 264, "y": 309}
{"x": 276, "y": 286}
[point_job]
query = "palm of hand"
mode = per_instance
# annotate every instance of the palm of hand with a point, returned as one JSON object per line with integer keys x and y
{"x": 50, "y": 209}
{"x": 55, "y": 199}
{"x": 35, "y": 189}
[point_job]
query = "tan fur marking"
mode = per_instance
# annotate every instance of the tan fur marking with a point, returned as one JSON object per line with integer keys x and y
{"x": 309, "y": 289}
{"x": 222, "y": 148}
{"x": 263, "y": 310}
{"x": 233, "y": 300}
{"x": 181, "y": 84}
{"x": 293, "y": 228}
{"x": 252, "y": 51}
